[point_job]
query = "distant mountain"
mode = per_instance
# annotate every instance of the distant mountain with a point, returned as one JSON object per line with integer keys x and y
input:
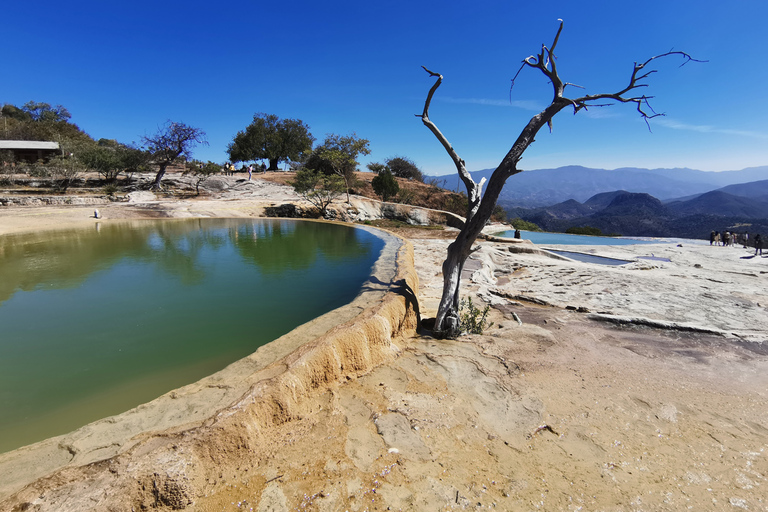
{"x": 545, "y": 187}
{"x": 721, "y": 203}
{"x": 753, "y": 189}
{"x": 640, "y": 214}
{"x": 601, "y": 201}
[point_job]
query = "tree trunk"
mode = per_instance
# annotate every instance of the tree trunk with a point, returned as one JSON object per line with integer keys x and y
{"x": 346, "y": 186}
{"x": 447, "y": 320}
{"x": 273, "y": 164}
{"x": 160, "y": 174}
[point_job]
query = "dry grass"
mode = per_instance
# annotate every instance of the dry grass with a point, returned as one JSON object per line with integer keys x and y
{"x": 412, "y": 192}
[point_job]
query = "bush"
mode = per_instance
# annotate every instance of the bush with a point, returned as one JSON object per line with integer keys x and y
{"x": 403, "y": 167}
{"x": 471, "y": 319}
{"x": 584, "y": 230}
{"x": 110, "y": 189}
{"x": 385, "y": 185}
{"x": 499, "y": 214}
{"x": 317, "y": 188}
{"x": 406, "y": 196}
{"x": 524, "y": 225}
{"x": 457, "y": 203}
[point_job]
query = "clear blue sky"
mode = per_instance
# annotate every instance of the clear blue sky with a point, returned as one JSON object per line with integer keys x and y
{"x": 124, "y": 68}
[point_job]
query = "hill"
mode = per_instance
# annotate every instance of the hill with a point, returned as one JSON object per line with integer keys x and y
{"x": 639, "y": 214}
{"x": 543, "y": 187}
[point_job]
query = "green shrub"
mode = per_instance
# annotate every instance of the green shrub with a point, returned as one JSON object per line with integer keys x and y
{"x": 110, "y": 189}
{"x": 584, "y": 230}
{"x": 524, "y": 225}
{"x": 471, "y": 319}
{"x": 385, "y": 185}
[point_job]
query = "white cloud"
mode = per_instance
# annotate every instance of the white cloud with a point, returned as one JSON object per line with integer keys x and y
{"x": 521, "y": 104}
{"x": 704, "y": 128}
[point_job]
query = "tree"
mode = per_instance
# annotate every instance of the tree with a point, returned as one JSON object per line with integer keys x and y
{"x": 172, "y": 142}
{"x": 339, "y": 153}
{"x": 403, "y": 167}
{"x": 376, "y": 167}
{"x": 38, "y": 111}
{"x": 385, "y": 185}
{"x": 318, "y": 188}
{"x": 202, "y": 171}
{"x": 481, "y": 206}
{"x": 111, "y": 158}
{"x": 64, "y": 169}
{"x": 40, "y": 121}
{"x": 271, "y": 138}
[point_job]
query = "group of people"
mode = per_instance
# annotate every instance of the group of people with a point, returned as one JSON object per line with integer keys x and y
{"x": 229, "y": 169}
{"x": 727, "y": 238}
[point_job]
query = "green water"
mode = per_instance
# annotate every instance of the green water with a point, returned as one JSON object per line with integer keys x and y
{"x": 94, "y": 322}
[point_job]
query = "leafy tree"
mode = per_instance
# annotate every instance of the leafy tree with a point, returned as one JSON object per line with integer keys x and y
{"x": 13, "y": 112}
{"x": 338, "y": 154}
{"x": 45, "y": 112}
{"x": 40, "y": 121}
{"x": 318, "y": 188}
{"x": 480, "y": 205}
{"x": 271, "y": 138}
{"x": 376, "y": 167}
{"x": 111, "y": 158}
{"x": 202, "y": 171}
{"x": 524, "y": 224}
{"x": 171, "y": 143}
{"x": 403, "y": 167}
{"x": 385, "y": 185}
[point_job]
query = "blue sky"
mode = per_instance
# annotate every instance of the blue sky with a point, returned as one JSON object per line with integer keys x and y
{"x": 124, "y": 68}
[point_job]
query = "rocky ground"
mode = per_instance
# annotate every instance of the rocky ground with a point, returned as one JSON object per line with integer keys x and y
{"x": 640, "y": 387}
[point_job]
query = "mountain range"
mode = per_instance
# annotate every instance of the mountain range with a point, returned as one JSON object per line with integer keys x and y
{"x": 683, "y": 203}
{"x": 640, "y": 214}
{"x": 544, "y": 187}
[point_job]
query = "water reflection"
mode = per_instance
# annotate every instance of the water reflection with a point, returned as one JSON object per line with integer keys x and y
{"x": 64, "y": 259}
{"x": 97, "y": 321}
{"x": 280, "y": 247}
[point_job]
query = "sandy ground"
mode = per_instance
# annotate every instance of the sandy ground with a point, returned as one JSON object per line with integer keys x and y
{"x": 641, "y": 387}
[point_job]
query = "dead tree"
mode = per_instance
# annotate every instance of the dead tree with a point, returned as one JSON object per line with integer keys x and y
{"x": 171, "y": 143}
{"x": 480, "y": 206}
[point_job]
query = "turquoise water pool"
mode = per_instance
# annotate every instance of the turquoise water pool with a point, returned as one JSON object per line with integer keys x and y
{"x": 566, "y": 239}
{"x": 97, "y": 321}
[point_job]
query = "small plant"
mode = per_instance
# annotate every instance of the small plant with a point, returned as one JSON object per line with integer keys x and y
{"x": 110, "y": 189}
{"x": 471, "y": 319}
{"x": 406, "y": 196}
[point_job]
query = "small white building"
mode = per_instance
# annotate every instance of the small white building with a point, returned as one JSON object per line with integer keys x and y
{"x": 30, "y": 150}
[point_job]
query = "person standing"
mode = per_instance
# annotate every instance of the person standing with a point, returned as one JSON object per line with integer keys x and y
{"x": 250, "y": 172}
{"x": 758, "y": 244}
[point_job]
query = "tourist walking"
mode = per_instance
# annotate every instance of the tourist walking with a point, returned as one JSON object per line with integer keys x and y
{"x": 758, "y": 244}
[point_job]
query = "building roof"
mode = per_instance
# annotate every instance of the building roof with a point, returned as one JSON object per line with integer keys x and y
{"x": 28, "y": 144}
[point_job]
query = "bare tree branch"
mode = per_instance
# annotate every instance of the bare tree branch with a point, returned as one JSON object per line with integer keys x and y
{"x": 480, "y": 209}
{"x": 474, "y": 190}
